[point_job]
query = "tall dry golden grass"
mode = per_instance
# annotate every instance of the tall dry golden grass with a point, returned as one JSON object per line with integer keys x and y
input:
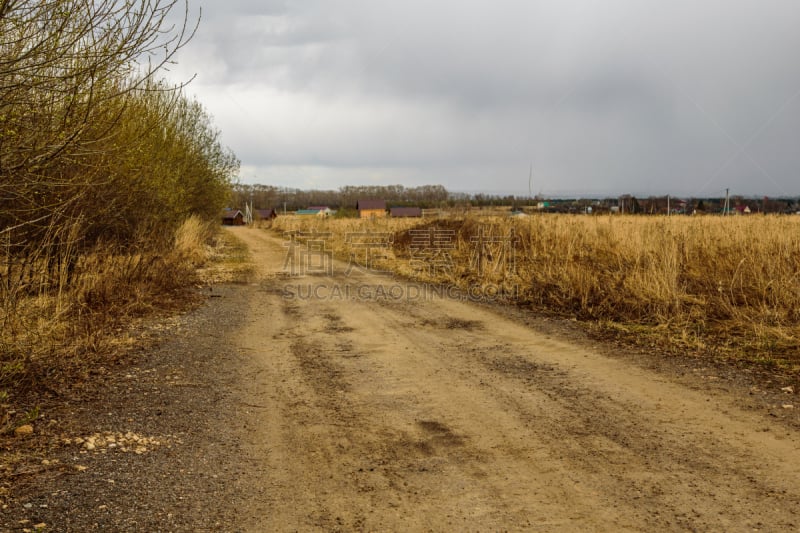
{"x": 60, "y": 326}
{"x": 723, "y": 285}
{"x": 339, "y": 228}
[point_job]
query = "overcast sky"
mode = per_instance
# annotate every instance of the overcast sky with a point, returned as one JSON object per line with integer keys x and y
{"x": 619, "y": 96}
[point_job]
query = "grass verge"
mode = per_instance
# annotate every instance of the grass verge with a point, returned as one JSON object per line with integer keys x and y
{"x": 52, "y": 340}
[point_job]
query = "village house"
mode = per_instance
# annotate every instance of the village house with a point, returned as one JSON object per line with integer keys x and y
{"x": 371, "y": 208}
{"x": 232, "y": 217}
{"x": 322, "y": 210}
{"x": 266, "y": 214}
{"x": 405, "y": 212}
{"x": 309, "y": 213}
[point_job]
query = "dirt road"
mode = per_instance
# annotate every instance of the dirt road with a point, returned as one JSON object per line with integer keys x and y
{"x": 372, "y": 408}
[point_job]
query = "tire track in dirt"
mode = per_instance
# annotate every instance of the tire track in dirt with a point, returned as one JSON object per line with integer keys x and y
{"x": 438, "y": 414}
{"x": 650, "y": 465}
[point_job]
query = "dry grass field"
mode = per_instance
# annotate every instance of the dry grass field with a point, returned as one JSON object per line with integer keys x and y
{"x": 722, "y": 286}
{"x": 55, "y": 325}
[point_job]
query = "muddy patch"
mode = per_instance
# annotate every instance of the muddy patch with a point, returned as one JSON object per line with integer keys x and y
{"x": 325, "y": 375}
{"x": 453, "y": 323}
{"x": 335, "y": 324}
{"x": 439, "y": 434}
{"x": 521, "y": 368}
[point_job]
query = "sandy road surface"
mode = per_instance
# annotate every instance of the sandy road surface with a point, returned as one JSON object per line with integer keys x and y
{"x": 366, "y": 413}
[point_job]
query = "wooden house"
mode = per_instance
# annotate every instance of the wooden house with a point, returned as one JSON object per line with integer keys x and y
{"x": 405, "y": 212}
{"x": 232, "y": 217}
{"x": 371, "y": 208}
{"x": 266, "y": 214}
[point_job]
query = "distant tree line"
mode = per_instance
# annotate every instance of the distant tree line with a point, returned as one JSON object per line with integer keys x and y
{"x": 94, "y": 145}
{"x": 433, "y": 196}
{"x": 268, "y": 196}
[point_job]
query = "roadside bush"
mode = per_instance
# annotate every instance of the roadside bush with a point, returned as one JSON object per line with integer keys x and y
{"x": 110, "y": 178}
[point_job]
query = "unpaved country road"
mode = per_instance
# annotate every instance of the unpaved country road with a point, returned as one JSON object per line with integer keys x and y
{"x": 366, "y": 413}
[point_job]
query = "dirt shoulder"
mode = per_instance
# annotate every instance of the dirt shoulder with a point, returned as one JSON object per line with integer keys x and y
{"x": 161, "y": 423}
{"x": 321, "y": 403}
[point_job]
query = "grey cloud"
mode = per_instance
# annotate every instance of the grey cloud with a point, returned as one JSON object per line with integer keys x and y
{"x": 618, "y": 96}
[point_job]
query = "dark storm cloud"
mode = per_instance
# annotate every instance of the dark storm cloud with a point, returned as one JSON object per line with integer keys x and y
{"x": 618, "y": 96}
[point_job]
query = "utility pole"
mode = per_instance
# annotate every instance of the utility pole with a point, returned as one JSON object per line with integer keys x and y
{"x": 530, "y": 181}
{"x": 668, "y": 211}
{"x": 248, "y": 210}
{"x": 727, "y": 207}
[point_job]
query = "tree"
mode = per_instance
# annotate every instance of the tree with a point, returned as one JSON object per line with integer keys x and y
{"x": 67, "y": 70}
{"x": 92, "y": 144}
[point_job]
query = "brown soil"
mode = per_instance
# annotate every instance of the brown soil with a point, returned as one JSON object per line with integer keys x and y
{"x": 357, "y": 402}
